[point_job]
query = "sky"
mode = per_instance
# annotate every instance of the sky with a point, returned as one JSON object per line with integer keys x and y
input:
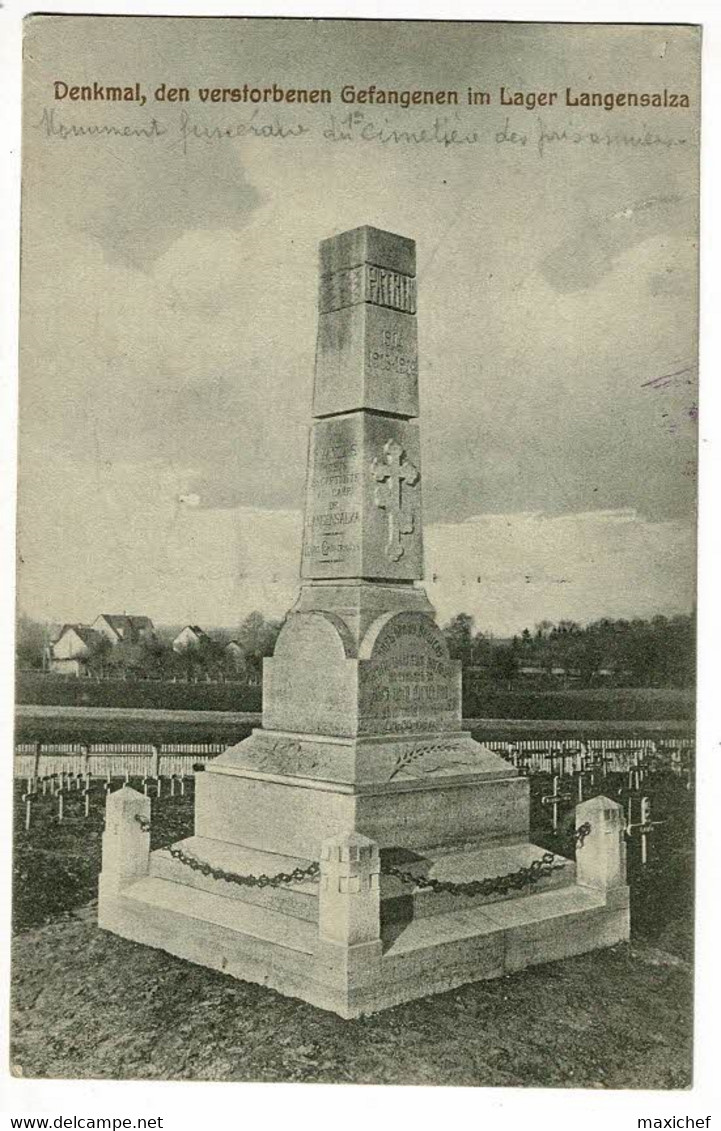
{"x": 169, "y": 316}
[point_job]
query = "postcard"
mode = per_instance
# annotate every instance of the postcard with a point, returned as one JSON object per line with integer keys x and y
{"x": 356, "y": 614}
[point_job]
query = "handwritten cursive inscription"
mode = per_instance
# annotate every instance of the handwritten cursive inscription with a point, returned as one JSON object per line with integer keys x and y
{"x": 358, "y": 128}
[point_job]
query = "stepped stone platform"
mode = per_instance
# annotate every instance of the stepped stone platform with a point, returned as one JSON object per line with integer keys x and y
{"x": 361, "y": 769}
{"x": 372, "y": 942}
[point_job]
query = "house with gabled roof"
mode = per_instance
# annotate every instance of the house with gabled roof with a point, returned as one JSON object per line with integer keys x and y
{"x": 192, "y": 636}
{"x": 69, "y": 652}
{"x": 74, "y": 645}
{"x": 119, "y": 627}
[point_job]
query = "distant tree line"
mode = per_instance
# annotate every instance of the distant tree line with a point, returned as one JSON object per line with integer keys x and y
{"x": 657, "y": 652}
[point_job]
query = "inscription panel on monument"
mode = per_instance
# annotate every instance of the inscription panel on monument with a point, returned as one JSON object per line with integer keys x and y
{"x": 408, "y": 684}
{"x": 332, "y": 536}
{"x": 363, "y": 505}
{"x": 366, "y": 357}
{"x": 391, "y": 350}
{"x": 367, "y": 283}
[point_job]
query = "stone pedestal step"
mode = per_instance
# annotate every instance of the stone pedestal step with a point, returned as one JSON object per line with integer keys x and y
{"x": 402, "y": 901}
{"x": 443, "y": 951}
{"x": 260, "y": 923}
{"x": 399, "y": 901}
{"x": 299, "y": 900}
{"x": 507, "y": 915}
{"x": 428, "y": 955}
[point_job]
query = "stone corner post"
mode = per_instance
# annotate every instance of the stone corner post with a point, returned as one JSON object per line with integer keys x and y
{"x": 601, "y": 859}
{"x": 349, "y": 896}
{"x": 126, "y": 841}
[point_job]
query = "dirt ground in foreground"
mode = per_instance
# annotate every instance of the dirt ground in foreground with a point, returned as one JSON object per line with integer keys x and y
{"x": 88, "y": 1004}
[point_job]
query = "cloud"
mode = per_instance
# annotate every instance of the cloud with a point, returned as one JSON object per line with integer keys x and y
{"x": 533, "y": 399}
{"x": 169, "y": 318}
{"x": 203, "y": 366}
{"x": 137, "y": 196}
{"x": 128, "y": 538}
{"x": 510, "y": 571}
{"x": 594, "y": 243}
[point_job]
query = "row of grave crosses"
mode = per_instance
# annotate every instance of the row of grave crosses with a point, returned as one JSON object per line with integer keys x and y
{"x": 79, "y": 758}
{"x": 58, "y": 790}
{"x": 578, "y": 771}
{"x": 84, "y": 755}
{"x": 641, "y": 828}
{"x": 577, "y": 759}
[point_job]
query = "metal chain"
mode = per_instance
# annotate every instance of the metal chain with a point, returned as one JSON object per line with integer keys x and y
{"x": 263, "y": 881}
{"x": 581, "y": 833}
{"x": 490, "y": 885}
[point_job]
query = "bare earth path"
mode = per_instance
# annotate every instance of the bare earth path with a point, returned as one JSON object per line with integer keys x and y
{"x": 88, "y": 1004}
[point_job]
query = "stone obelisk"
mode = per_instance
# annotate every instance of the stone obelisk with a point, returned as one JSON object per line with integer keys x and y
{"x": 361, "y": 758}
{"x": 361, "y": 690}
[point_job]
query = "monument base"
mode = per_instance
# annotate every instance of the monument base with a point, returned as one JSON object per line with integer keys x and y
{"x": 358, "y": 939}
{"x": 285, "y": 793}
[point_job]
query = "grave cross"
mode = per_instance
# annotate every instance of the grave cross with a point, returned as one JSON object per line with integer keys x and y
{"x": 391, "y": 472}
{"x": 581, "y": 777}
{"x": 566, "y": 756}
{"x": 27, "y": 799}
{"x": 635, "y": 778}
{"x": 551, "y": 757}
{"x": 66, "y": 791}
{"x": 602, "y": 762}
{"x": 643, "y": 827}
{"x": 554, "y": 799}
{"x": 519, "y": 757}
{"x": 180, "y": 780}
{"x": 578, "y": 759}
{"x": 687, "y": 775}
{"x": 37, "y": 751}
{"x": 558, "y": 756}
{"x": 150, "y": 780}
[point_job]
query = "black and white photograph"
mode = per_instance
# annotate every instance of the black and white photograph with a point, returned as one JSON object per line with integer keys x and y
{"x": 356, "y": 592}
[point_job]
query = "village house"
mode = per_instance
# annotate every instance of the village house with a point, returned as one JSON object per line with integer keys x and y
{"x": 117, "y": 627}
{"x": 192, "y": 636}
{"x": 68, "y": 655}
{"x": 70, "y": 652}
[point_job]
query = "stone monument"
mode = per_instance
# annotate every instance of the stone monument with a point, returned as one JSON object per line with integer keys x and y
{"x": 360, "y": 849}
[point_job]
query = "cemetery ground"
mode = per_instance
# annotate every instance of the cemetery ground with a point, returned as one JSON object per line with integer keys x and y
{"x": 87, "y": 1004}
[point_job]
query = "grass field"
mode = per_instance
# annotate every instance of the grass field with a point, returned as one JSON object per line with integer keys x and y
{"x": 96, "y": 724}
{"x": 630, "y": 704}
{"x": 68, "y": 691}
{"x": 88, "y": 1004}
{"x": 68, "y": 724}
{"x": 587, "y": 704}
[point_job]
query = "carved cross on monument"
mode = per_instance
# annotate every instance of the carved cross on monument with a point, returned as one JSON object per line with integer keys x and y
{"x": 391, "y": 472}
